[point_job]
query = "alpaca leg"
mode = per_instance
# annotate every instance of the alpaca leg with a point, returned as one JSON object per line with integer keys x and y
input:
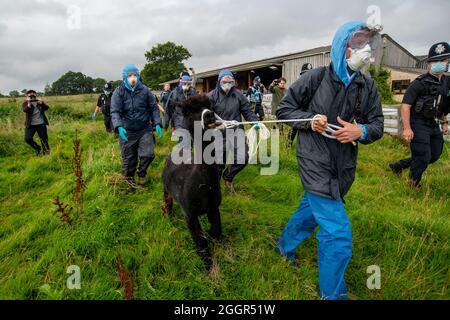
{"x": 167, "y": 205}
{"x": 200, "y": 241}
{"x": 216, "y": 224}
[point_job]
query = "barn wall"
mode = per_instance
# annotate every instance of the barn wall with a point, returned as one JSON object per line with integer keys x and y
{"x": 394, "y": 56}
{"x": 292, "y": 68}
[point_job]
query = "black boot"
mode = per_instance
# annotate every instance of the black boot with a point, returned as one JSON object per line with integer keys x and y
{"x": 396, "y": 169}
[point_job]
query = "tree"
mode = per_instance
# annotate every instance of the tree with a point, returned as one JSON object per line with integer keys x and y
{"x": 73, "y": 83}
{"x": 116, "y": 84}
{"x": 48, "y": 90}
{"x": 24, "y": 91}
{"x": 1, "y": 95}
{"x": 14, "y": 94}
{"x": 164, "y": 63}
{"x": 381, "y": 78}
{"x": 99, "y": 83}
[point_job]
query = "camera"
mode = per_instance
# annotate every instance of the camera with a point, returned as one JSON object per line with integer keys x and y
{"x": 276, "y": 82}
{"x": 32, "y": 98}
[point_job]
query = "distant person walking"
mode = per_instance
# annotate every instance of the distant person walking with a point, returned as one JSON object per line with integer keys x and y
{"x": 256, "y": 94}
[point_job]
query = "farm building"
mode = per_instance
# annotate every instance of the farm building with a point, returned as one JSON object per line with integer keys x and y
{"x": 404, "y": 67}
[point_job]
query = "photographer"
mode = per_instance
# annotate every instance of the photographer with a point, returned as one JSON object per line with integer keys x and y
{"x": 36, "y": 121}
{"x": 278, "y": 90}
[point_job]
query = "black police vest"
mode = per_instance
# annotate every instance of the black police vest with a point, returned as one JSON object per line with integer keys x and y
{"x": 434, "y": 100}
{"x": 105, "y": 104}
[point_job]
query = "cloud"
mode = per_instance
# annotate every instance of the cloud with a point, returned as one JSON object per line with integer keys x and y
{"x": 37, "y": 46}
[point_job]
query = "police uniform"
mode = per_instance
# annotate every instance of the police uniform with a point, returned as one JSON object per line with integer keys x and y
{"x": 429, "y": 98}
{"x": 104, "y": 102}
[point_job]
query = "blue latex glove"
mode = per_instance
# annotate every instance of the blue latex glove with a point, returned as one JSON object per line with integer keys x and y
{"x": 123, "y": 134}
{"x": 159, "y": 131}
{"x": 256, "y": 126}
{"x": 94, "y": 116}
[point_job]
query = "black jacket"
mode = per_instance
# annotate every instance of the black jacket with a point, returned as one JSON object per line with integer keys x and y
{"x": 134, "y": 111}
{"x": 232, "y": 105}
{"x": 173, "y": 107}
{"x": 29, "y": 112}
{"x": 327, "y": 167}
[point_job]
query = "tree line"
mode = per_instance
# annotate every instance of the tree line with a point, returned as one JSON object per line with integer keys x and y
{"x": 165, "y": 61}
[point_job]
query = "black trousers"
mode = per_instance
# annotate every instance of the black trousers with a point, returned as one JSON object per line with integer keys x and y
{"x": 259, "y": 111}
{"x": 138, "y": 150}
{"x": 43, "y": 136}
{"x": 426, "y": 148}
{"x": 240, "y": 149}
{"x": 108, "y": 123}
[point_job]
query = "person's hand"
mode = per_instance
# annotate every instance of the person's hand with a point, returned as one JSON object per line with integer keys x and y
{"x": 123, "y": 134}
{"x": 40, "y": 101}
{"x": 320, "y": 123}
{"x": 408, "y": 134}
{"x": 159, "y": 132}
{"x": 349, "y": 133}
{"x": 445, "y": 129}
{"x": 94, "y": 116}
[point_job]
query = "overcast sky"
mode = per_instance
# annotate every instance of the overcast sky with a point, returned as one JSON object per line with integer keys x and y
{"x": 40, "y": 39}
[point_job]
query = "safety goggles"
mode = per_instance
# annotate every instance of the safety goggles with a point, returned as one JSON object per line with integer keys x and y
{"x": 361, "y": 38}
{"x": 186, "y": 83}
{"x": 224, "y": 82}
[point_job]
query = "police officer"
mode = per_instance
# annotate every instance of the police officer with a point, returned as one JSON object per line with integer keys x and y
{"x": 424, "y": 110}
{"x": 104, "y": 105}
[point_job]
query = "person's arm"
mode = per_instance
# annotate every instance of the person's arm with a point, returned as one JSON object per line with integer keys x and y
{"x": 272, "y": 87}
{"x": 116, "y": 110}
{"x": 410, "y": 99}
{"x": 374, "y": 127}
{"x": 444, "y": 124}
{"x": 26, "y": 107}
{"x": 295, "y": 103}
{"x": 408, "y": 134}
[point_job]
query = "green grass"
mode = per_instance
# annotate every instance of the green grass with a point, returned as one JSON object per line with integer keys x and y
{"x": 404, "y": 232}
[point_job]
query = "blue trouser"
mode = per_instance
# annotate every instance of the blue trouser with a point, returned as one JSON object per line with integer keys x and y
{"x": 334, "y": 236}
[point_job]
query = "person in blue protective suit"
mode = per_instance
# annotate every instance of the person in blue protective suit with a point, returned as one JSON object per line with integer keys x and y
{"x": 341, "y": 95}
{"x": 230, "y": 104}
{"x": 135, "y": 114}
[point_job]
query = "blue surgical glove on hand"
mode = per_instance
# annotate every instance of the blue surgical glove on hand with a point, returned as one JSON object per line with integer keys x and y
{"x": 123, "y": 134}
{"x": 256, "y": 126}
{"x": 94, "y": 116}
{"x": 159, "y": 131}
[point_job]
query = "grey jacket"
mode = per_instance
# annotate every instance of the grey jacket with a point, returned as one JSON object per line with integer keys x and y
{"x": 327, "y": 167}
{"x": 134, "y": 111}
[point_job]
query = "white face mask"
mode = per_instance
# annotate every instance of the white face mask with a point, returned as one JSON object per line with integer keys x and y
{"x": 359, "y": 58}
{"x": 226, "y": 87}
{"x": 132, "y": 80}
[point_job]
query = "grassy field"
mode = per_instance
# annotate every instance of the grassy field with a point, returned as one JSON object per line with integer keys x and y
{"x": 404, "y": 232}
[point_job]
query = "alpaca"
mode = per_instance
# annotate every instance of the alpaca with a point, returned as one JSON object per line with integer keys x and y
{"x": 196, "y": 187}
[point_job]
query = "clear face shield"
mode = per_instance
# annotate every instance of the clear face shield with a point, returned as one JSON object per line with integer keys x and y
{"x": 186, "y": 84}
{"x": 362, "y": 44}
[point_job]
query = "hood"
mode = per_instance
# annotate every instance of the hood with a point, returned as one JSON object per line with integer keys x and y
{"x": 130, "y": 68}
{"x": 225, "y": 73}
{"x": 339, "y": 47}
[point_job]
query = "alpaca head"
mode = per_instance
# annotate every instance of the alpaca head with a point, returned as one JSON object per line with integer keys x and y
{"x": 197, "y": 108}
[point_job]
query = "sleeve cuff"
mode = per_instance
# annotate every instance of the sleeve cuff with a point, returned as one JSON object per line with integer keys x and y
{"x": 364, "y": 130}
